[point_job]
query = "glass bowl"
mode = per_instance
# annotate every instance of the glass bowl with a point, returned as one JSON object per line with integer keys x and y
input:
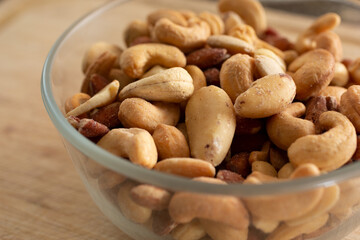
{"x": 104, "y": 174}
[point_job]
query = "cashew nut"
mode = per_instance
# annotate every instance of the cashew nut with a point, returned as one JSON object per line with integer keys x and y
{"x": 136, "y": 60}
{"x": 106, "y": 96}
{"x": 210, "y": 122}
{"x": 220, "y": 231}
{"x": 137, "y": 112}
{"x": 314, "y": 71}
{"x": 172, "y": 85}
{"x": 350, "y": 105}
{"x": 266, "y": 226}
{"x": 354, "y": 70}
{"x": 286, "y": 171}
{"x": 134, "y": 30}
{"x": 231, "y": 19}
{"x": 150, "y": 197}
{"x": 268, "y": 63}
{"x": 266, "y": 96}
{"x": 333, "y": 91}
{"x": 341, "y": 75}
{"x": 134, "y": 143}
{"x": 174, "y": 16}
{"x": 329, "y": 150}
{"x": 215, "y": 22}
{"x": 264, "y": 167}
{"x": 154, "y": 70}
{"x": 330, "y": 41}
{"x": 244, "y": 32}
{"x": 287, "y": 126}
{"x": 232, "y": 44}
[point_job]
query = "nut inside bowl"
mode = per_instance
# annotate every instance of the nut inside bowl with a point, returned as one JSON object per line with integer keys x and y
{"x": 116, "y": 185}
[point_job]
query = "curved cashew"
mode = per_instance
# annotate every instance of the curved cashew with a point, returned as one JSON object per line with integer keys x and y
{"x": 285, "y": 127}
{"x": 329, "y": 150}
{"x": 333, "y": 91}
{"x": 286, "y": 206}
{"x": 232, "y": 44}
{"x": 237, "y": 75}
{"x": 137, "y": 112}
{"x": 260, "y": 100}
{"x": 134, "y": 30}
{"x": 186, "y": 38}
{"x": 174, "y": 16}
{"x": 210, "y": 122}
{"x": 151, "y": 197}
{"x": 229, "y": 210}
{"x": 136, "y": 60}
{"x": 172, "y": 85}
{"x": 251, "y": 11}
{"x": 186, "y": 167}
{"x": 350, "y": 105}
{"x": 330, "y": 41}
{"x": 134, "y": 143}
{"x": 268, "y": 63}
{"x": 313, "y": 72}
{"x": 220, "y": 231}
{"x": 106, "y": 96}
{"x": 216, "y": 24}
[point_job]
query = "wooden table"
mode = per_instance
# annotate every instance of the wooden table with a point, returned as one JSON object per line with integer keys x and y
{"x": 41, "y": 195}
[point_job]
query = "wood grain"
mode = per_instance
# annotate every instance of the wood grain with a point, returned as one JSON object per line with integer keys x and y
{"x": 41, "y": 195}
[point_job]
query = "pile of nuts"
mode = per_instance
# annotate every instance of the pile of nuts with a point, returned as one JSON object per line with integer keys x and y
{"x": 224, "y": 99}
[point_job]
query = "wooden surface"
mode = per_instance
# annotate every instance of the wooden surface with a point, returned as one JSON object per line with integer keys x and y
{"x": 41, "y": 195}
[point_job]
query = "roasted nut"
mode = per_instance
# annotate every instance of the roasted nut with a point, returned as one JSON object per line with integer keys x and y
{"x": 237, "y": 75}
{"x": 174, "y": 16}
{"x": 325, "y": 151}
{"x": 134, "y": 30}
{"x": 110, "y": 179}
{"x": 192, "y": 230}
{"x": 186, "y": 167}
{"x": 170, "y": 142}
{"x": 286, "y": 171}
{"x": 333, "y": 91}
{"x": 129, "y": 208}
{"x": 215, "y": 22}
{"x": 231, "y": 19}
{"x": 262, "y": 155}
{"x": 134, "y": 143}
{"x": 229, "y": 176}
{"x": 186, "y": 38}
{"x": 199, "y": 79}
{"x": 150, "y": 197}
{"x": 268, "y": 63}
{"x": 106, "y": 96}
{"x": 252, "y": 12}
{"x": 232, "y": 44}
{"x": 330, "y": 41}
{"x": 354, "y": 70}
{"x": 220, "y": 231}
{"x": 259, "y": 101}
{"x": 172, "y": 85}
{"x": 278, "y": 158}
{"x": 75, "y": 101}
{"x": 136, "y": 112}
{"x": 154, "y": 70}
{"x": 287, "y": 126}
{"x": 212, "y": 76}
{"x": 264, "y": 167}
{"x": 108, "y": 115}
{"x": 91, "y": 129}
{"x": 350, "y": 105}
{"x": 136, "y": 60}
{"x": 118, "y": 74}
{"x": 96, "y": 83}
{"x": 206, "y": 57}
{"x": 210, "y": 122}
{"x": 318, "y": 105}
{"x": 341, "y": 76}
{"x": 290, "y": 56}
{"x": 314, "y": 71}
{"x": 141, "y": 40}
{"x": 266, "y": 226}
{"x": 239, "y": 163}
{"x": 244, "y": 32}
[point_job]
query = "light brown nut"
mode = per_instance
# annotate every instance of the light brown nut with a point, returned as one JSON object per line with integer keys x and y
{"x": 206, "y": 57}
{"x": 216, "y": 24}
{"x": 172, "y": 15}
{"x": 162, "y": 224}
{"x": 136, "y": 60}
{"x": 102, "y": 66}
{"x": 188, "y": 14}
{"x": 118, "y": 74}
{"x": 172, "y": 85}
{"x": 141, "y": 40}
{"x": 341, "y": 76}
{"x": 330, "y": 41}
{"x": 262, "y": 155}
{"x": 137, "y": 112}
{"x": 251, "y": 11}
{"x": 314, "y": 71}
{"x": 264, "y": 167}
{"x": 186, "y": 167}
{"x": 259, "y": 101}
{"x": 170, "y": 142}
{"x": 268, "y": 63}
{"x": 96, "y": 83}
{"x": 293, "y": 205}
{"x": 350, "y": 105}
{"x": 212, "y": 76}
{"x": 229, "y": 176}
{"x": 75, "y": 101}
{"x": 239, "y": 163}
{"x": 349, "y": 197}
{"x": 290, "y": 56}
{"x": 110, "y": 179}
{"x": 106, "y": 96}
{"x": 220, "y": 231}
{"x": 244, "y": 32}
{"x": 287, "y": 126}
{"x": 333, "y": 91}
{"x": 232, "y": 44}
{"x": 74, "y": 121}
{"x": 325, "y": 151}
{"x": 231, "y": 19}
{"x": 186, "y": 38}
{"x": 248, "y": 125}
{"x": 189, "y": 231}
{"x": 318, "y": 105}
{"x": 95, "y": 50}
{"x": 286, "y": 171}
{"x": 197, "y": 75}
{"x": 210, "y": 122}
{"x": 330, "y": 197}
{"x": 266, "y": 226}
{"x": 150, "y": 197}
{"x": 278, "y": 158}
{"x": 128, "y": 207}
{"x": 154, "y": 70}
{"x": 91, "y": 129}
{"x": 332, "y": 222}
{"x": 284, "y": 232}
{"x": 134, "y": 30}
{"x": 134, "y": 143}
{"x": 229, "y": 210}
{"x": 108, "y": 115}
{"x": 258, "y": 178}
{"x": 237, "y": 75}
{"x": 354, "y": 70}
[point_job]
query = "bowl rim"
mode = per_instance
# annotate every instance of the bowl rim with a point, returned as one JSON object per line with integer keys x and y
{"x": 156, "y": 178}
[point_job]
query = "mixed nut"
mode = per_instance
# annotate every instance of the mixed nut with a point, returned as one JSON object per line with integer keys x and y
{"x": 224, "y": 99}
